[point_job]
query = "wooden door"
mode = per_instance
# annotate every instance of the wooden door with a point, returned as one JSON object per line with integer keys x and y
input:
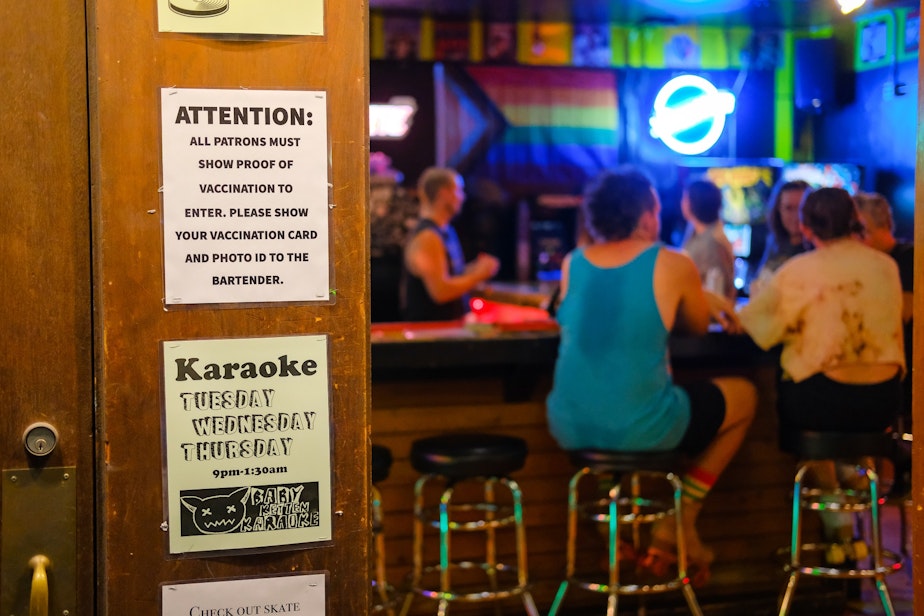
{"x": 130, "y": 62}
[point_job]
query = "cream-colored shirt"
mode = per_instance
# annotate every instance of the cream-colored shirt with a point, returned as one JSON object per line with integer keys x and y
{"x": 838, "y": 305}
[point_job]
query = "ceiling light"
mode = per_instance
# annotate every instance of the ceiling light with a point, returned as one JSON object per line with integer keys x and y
{"x": 848, "y": 6}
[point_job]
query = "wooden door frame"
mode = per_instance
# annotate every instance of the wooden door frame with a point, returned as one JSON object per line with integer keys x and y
{"x": 917, "y": 375}
{"x": 46, "y": 373}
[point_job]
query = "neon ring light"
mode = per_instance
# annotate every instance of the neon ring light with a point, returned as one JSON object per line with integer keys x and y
{"x": 689, "y": 114}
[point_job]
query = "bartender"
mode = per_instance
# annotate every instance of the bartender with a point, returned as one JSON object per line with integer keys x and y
{"x": 436, "y": 279}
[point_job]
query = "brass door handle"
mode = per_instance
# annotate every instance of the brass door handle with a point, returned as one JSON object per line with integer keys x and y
{"x": 38, "y": 597}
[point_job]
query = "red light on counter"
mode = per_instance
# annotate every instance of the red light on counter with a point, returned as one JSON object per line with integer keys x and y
{"x": 477, "y": 304}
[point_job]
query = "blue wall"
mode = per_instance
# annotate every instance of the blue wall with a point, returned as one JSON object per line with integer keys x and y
{"x": 878, "y": 131}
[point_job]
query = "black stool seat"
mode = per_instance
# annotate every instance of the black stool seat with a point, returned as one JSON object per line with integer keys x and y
{"x": 812, "y": 445}
{"x": 604, "y": 461}
{"x": 381, "y": 463}
{"x": 460, "y": 456}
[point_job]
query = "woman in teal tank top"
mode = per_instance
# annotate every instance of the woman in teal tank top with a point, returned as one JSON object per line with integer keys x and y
{"x": 622, "y": 296}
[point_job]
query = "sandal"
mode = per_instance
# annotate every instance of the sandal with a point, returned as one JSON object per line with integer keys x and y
{"x": 699, "y": 574}
{"x": 626, "y": 552}
{"x": 657, "y": 562}
{"x": 660, "y": 561}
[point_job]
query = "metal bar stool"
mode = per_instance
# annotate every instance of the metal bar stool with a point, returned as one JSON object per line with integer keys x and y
{"x": 622, "y": 469}
{"x": 383, "y": 593}
{"x": 839, "y": 446}
{"x": 901, "y": 493}
{"x": 448, "y": 461}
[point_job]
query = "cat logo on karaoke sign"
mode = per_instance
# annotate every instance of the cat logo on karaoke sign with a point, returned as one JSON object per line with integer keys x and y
{"x": 689, "y": 114}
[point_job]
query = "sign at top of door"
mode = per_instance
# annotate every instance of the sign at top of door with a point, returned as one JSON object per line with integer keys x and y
{"x": 245, "y": 196}
{"x": 257, "y": 17}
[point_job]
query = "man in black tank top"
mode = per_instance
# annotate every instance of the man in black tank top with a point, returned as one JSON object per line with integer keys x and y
{"x": 436, "y": 277}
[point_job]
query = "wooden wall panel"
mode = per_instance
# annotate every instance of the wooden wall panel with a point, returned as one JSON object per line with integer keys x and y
{"x": 130, "y": 62}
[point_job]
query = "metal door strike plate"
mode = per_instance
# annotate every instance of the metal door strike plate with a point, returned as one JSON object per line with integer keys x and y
{"x": 39, "y": 514}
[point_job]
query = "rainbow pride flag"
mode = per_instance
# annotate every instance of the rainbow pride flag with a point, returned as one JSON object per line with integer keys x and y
{"x": 562, "y": 126}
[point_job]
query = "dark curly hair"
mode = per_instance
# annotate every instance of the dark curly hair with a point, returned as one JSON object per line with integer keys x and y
{"x": 831, "y": 214}
{"x": 705, "y": 200}
{"x": 615, "y": 200}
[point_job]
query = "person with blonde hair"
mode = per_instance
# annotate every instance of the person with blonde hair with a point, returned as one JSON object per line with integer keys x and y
{"x": 879, "y": 233}
{"x": 436, "y": 278}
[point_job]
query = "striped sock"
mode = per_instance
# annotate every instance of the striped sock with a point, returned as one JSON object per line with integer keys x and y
{"x": 696, "y": 484}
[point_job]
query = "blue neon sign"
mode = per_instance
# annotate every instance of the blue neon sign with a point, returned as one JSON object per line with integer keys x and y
{"x": 689, "y": 114}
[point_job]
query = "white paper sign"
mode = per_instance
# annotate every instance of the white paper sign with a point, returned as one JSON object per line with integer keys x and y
{"x": 301, "y": 594}
{"x": 247, "y": 442}
{"x": 281, "y": 17}
{"x": 245, "y": 196}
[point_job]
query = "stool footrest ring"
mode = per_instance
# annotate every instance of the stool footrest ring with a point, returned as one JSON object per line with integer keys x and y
{"x": 431, "y": 517}
{"x": 891, "y": 562}
{"x": 817, "y": 499}
{"x": 598, "y": 510}
{"x": 629, "y": 589}
{"x": 473, "y": 595}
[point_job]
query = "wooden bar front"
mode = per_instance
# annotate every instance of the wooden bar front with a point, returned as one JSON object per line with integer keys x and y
{"x": 454, "y": 381}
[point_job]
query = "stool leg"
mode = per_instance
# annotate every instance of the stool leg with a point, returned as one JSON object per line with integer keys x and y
{"x": 559, "y": 597}
{"x": 571, "y": 546}
{"x": 612, "y": 604}
{"x": 381, "y": 585}
{"x": 795, "y": 544}
{"x": 612, "y": 600}
{"x": 688, "y": 594}
{"x": 635, "y": 483}
{"x": 417, "y": 569}
{"x": 520, "y": 530}
{"x": 490, "y": 539}
{"x": 884, "y": 596}
{"x": 445, "y": 547}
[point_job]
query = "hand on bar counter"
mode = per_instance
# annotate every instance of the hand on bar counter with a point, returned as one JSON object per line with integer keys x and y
{"x": 723, "y": 312}
{"x": 483, "y": 267}
{"x": 535, "y": 294}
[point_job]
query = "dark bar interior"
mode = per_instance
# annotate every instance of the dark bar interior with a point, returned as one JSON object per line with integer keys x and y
{"x": 528, "y": 102}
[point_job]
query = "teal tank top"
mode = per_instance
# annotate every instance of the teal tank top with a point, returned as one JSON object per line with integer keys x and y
{"x": 612, "y": 387}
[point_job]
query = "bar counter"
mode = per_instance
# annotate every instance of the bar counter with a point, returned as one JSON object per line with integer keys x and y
{"x": 434, "y": 378}
{"x": 414, "y": 346}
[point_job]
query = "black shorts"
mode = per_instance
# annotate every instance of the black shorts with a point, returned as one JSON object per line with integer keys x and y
{"x": 819, "y": 403}
{"x": 707, "y": 413}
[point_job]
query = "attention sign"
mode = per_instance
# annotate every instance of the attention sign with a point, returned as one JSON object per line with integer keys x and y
{"x": 245, "y": 196}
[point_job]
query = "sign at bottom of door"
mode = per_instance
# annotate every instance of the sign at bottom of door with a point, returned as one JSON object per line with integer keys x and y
{"x": 302, "y": 594}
